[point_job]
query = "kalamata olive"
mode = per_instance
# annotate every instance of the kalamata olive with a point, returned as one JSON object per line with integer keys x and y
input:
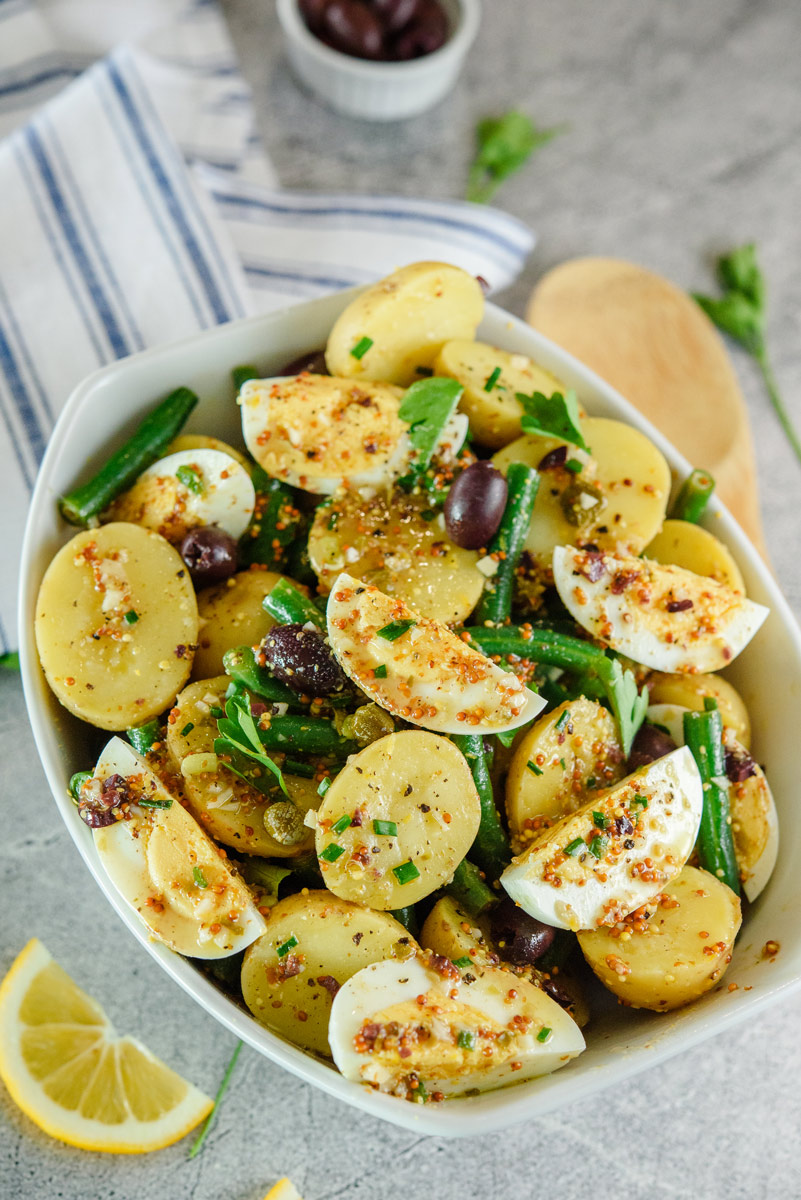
{"x": 354, "y": 29}
{"x": 312, "y": 361}
{"x": 557, "y": 992}
{"x": 475, "y": 505}
{"x": 519, "y": 938}
{"x": 312, "y": 12}
{"x": 427, "y": 33}
{"x": 300, "y": 658}
{"x": 210, "y": 554}
{"x": 396, "y": 14}
{"x": 650, "y": 743}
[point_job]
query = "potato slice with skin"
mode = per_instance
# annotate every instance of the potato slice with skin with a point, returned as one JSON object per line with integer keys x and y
{"x": 689, "y": 691}
{"x": 603, "y": 861}
{"x": 315, "y": 432}
{"x": 387, "y": 541}
{"x": 168, "y": 870}
{"x": 625, "y": 466}
{"x": 324, "y": 941}
{"x": 407, "y": 319}
{"x": 676, "y": 953}
{"x": 431, "y": 677}
{"x": 696, "y": 549}
{"x": 660, "y": 616}
{"x": 231, "y": 614}
{"x": 494, "y": 411}
{"x": 116, "y": 625}
{"x": 230, "y": 810}
{"x": 204, "y": 441}
{"x": 412, "y": 813}
{"x": 564, "y": 756}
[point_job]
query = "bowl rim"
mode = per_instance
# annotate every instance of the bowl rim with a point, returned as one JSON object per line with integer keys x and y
{"x": 491, "y": 1111}
{"x": 456, "y": 46}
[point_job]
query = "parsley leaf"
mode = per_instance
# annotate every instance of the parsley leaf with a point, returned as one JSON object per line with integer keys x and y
{"x": 10, "y": 661}
{"x": 740, "y": 312}
{"x": 553, "y": 416}
{"x": 239, "y": 733}
{"x": 504, "y": 145}
{"x": 427, "y": 407}
{"x": 628, "y": 705}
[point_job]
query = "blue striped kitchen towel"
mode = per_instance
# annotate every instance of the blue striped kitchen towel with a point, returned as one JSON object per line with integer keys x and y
{"x": 137, "y": 207}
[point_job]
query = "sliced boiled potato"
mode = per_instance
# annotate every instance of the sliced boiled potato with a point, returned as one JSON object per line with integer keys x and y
{"x": 689, "y": 691}
{"x": 406, "y": 319}
{"x": 660, "y": 616}
{"x": 228, "y": 808}
{"x": 316, "y": 432}
{"x": 397, "y": 820}
{"x": 231, "y": 614}
{"x": 754, "y": 824}
{"x": 600, "y": 863}
{"x": 187, "y": 489}
{"x": 394, "y": 1025}
{"x": 167, "y": 869}
{"x": 388, "y": 541}
{"x": 569, "y": 752}
{"x": 203, "y": 441}
{"x": 116, "y": 625}
{"x": 687, "y": 545}
{"x": 427, "y": 675}
{"x": 674, "y": 950}
{"x": 489, "y": 399}
{"x": 313, "y": 943}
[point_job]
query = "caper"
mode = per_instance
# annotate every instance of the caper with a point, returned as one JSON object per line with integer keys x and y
{"x": 367, "y": 724}
{"x": 284, "y": 823}
{"x": 582, "y": 502}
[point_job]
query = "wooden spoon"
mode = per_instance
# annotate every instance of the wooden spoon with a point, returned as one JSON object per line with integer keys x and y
{"x": 653, "y": 343}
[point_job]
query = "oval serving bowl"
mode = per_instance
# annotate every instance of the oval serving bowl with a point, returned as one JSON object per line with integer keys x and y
{"x": 105, "y": 409}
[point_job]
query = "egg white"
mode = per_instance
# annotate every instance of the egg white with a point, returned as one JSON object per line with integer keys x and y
{"x": 228, "y": 496}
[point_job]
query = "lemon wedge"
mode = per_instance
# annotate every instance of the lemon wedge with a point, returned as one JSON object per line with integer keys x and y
{"x": 283, "y": 1190}
{"x": 74, "y": 1077}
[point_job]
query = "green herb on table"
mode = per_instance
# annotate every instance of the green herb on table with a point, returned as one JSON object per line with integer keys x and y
{"x": 553, "y": 416}
{"x": 10, "y": 661}
{"x": 740, "y": 312}
{"x": 504, "y": 145}
{"x": 221, "y": 1090}
{"x": 427, "y": 407}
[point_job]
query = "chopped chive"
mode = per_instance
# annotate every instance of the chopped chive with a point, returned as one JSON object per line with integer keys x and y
{"x": 592, "y": 781}
{"x": 574, "y": 465}
{"x": 532, "y": 766}
{"x": 641, "y": 801}
{"x": 131, "y": 617}
{"x": 598, "y": 846}
{"x": 342, "y": 824}
{"x": 324, "y": 786}
{"x": 331, "y": 852}
{"x": 385, "y": 828}
{"x": 424, "y": 372}
{"x": 145, "y": 803}
{"x": 207, "y": 1124}
{"x": 199, "y": 878}
{"x": 710, "y": 704}
{"x": 563, "y": 764}
{"x": 396, "y": 629}
{"x": 428, "y": 514}
{"x": 492, "y": 379}
{"x": 544, "y": 1034}
{"x": 216, "y": 713}
{"x": 463, "y": 963}
{"x": 380, "y": 672}
{"x": 563, "y": 720}
{"x": 600, "y": 820}
{"x": 188, "y": 727}
{"x": 286, "y": 946}
{"x": 466, "y": 1039}
{"x": 572, "y": 848}
{"x": 406, "y": 872}
{"x": 191, "y": 478}
{"x": 361, "y": 347}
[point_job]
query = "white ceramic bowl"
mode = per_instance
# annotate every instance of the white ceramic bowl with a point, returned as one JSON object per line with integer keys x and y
{"x": 104, "y": 410}
{"x": 379, "y": 91}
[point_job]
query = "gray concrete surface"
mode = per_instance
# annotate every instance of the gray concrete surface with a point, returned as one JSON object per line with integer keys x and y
{"x": 685, "y": 123}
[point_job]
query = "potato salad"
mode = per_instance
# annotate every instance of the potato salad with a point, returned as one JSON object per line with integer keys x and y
{"x": 410, "y": 726}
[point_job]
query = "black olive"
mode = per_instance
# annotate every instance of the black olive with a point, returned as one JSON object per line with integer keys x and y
{"x": 396, "y": 14}
{"x": 312, "y": 12}
{"x": 353, "y": 28}
{"x": 425, "y": 34}
{"x": 210, "y": 553}
{"x": 524, "y": 938}
{"x": 300, "y": 658}
{"x": 475, "y": 506}
{"x": 312, "y": 361}
{"x": 650, "y": 743}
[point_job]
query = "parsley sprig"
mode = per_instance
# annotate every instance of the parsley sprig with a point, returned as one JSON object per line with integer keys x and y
{"x": 741, "y": 313}
{"x": 427, "y": 407}
{"x": 239, "y": 741}
{"x": 553, "y": 416}
{"x": 505, "y": 144}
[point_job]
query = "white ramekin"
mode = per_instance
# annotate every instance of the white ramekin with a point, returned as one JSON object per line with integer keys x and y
{"x": 379, "y": 91}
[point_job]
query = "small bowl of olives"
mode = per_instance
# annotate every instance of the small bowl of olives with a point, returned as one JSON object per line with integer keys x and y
{"x": 381, "y": 60}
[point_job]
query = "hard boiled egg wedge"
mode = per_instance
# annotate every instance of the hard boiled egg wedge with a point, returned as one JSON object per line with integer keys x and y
{"x": 315, "y": 431}
{"x": 660, "y": 616}
{"x": 167, "y": 869}
{"x": 421, "y": 1029}
{"x": 418, "y": 669}
{"x": 598, "y": 864}
{"x": 186, "y": 489}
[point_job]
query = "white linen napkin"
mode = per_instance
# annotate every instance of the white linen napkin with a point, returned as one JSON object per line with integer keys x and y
{"x": 136, "y": 207}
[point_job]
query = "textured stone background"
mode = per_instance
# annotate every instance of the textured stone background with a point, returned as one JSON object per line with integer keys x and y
{"x": 685, "y": 123}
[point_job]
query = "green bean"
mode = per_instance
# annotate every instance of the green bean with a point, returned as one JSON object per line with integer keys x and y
{"x": 142, "y": 737}
{"x": 469, "y": 889}
{"x": 693, "y": 497}
{"x": 407, "y": 918}
{"x": 276, "y": 526}
{"x": 289, "y": 606}
{"x": 538, "y": 645}
{"x": 241, "y": 375}
{"x": 127, "y": 464}
{"x": 240, "y": 663}
{"x": 491, "y": 847}
{"x": 495, "y": 604}
{"x": 703, "y": 733}
{"x": 305, "y": 735}
{"x": 559, "y": 951}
